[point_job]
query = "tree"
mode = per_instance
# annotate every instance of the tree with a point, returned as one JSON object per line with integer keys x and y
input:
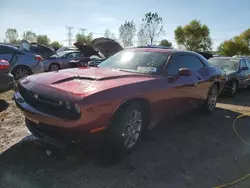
{"x": 235, "y": 46}
{"x": 165, "y": 42}
{"x": 246, "y": 36}
{"x": 56, "y": 44}
{"x": 83, "y": 38}
{"x": 142, "y": 37}
{"x": 127, "y": 32}
{"x": 43, "y": 39}
{"x": 152, "y": 24}
{"x": 109, "y": 34}
{"x": 11, "y": 35}
{"x": 29, "y": 36}
{"x": 194, "y": 36}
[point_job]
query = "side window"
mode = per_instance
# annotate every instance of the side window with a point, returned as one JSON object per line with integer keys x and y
{"x": 74, "y": 55}
{"x": 247, "y": 62}
{"x": 6, "y": 50}
{"x": 242, "y": 63}
{"x": 183, "y": 61}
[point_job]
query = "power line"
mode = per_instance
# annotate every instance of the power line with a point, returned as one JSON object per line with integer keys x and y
{"x": 69, "y": 34}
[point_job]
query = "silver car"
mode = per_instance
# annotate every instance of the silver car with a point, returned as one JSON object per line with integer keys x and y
{"x": 60, "y": 60}
{"x": 22, "y": 62}
{"x": 237, "y": 70}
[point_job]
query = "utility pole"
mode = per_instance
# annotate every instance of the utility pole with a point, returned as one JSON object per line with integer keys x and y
{"x": 83, "y": 30}
{"x": 69, "y": 34}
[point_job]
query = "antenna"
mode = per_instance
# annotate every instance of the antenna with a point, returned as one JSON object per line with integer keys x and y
{"x": 69, "y": 34}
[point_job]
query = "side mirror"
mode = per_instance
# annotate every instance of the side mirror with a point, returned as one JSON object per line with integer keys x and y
{"x": 184, "y": 72}
{"x": 244, "y": 68}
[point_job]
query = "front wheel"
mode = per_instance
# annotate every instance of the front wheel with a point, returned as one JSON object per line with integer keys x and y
{"x": 127, "y": 128}
{"x": 210, "y": 102}
{"x": 233, "y": 89}
{"x": 54, "y": 67}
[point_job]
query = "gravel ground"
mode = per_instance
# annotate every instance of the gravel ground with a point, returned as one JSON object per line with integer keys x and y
{"x": 191, "y": 151}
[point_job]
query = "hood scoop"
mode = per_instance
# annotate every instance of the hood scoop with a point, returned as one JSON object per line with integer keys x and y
{"x": 74, "y": 78}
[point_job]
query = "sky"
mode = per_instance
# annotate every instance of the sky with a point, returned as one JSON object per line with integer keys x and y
{"x": 225, "y": 18}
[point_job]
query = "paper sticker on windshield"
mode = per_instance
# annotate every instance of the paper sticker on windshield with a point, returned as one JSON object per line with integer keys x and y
{"x": 147, "y": 69}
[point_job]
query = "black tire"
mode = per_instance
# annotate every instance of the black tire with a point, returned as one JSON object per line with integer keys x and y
{"x": 119, "y": 133}
{"x": 21, "y": 72}
{"x": 233, "y": 88}
{"x": 210, "y": 103}
{"x": 54, "y": 67}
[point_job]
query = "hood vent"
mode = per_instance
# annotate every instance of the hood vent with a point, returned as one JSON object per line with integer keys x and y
{"x": 74, "y": 78}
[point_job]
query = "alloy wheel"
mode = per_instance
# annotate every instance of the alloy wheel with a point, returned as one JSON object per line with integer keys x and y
{"x": 233, "y": 88}
{"x": 212, "y": 98}
{"x": 54, "y": 67}
{"x": 21, "y": 73}
{"x": 133, "y": 127}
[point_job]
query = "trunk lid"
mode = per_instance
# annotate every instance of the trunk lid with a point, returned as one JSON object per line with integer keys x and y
{"x": 106, "y": 46}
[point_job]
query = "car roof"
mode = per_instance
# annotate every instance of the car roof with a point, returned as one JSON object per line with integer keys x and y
{"x": 163, "y": 50}
{"x": 8, "y": 45}
{"x": 236, "y": 58}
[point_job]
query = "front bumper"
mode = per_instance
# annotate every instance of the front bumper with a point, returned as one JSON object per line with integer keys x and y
{"x": 53, "y": 130}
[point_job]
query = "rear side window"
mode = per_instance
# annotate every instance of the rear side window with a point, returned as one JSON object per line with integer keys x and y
{"x": 183, "y": 61}
{"x": 5, "y": 50}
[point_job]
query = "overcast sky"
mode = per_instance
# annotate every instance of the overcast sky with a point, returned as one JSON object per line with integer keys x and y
{"x": 225, "y": 18}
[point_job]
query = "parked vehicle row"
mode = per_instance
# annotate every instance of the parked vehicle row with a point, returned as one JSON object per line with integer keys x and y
{"x": 122, "y": 97}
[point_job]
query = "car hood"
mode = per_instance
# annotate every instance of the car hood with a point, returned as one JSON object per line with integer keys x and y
{"x": 106, "y": 46}
{"x": 85, "y": 81}
{"x": 230, "y": 72}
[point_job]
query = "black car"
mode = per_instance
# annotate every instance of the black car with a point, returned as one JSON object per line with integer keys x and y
{"x": 6, "y": 79}
{"x": 237, "y": 70}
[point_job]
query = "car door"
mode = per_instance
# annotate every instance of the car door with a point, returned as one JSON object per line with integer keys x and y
{"x": 246, "y": 72}
{"x": 68, "y": 57}
{"x": 185, "y": 90}
{"x": 243, "y": 73}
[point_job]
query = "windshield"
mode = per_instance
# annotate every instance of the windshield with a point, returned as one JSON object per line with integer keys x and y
{"x": 136, "y": 61}
{"x": 226, "y": 64}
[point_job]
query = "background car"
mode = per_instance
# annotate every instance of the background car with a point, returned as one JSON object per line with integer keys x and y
{"x": 128, "y": 93}
{"x": 60, "y": 60}
{"x": 22, "y": 62}
{"x": 6, "y": 79}
{"x": 237, "y": 70}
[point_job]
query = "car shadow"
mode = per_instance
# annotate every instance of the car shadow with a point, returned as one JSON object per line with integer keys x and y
{"x": 190, "y": 151}
{"x": 3, "y": 105}
{"x": 241, "y": 98}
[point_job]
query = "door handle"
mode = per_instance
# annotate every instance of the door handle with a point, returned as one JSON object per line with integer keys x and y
{"x": 199, "y": 78}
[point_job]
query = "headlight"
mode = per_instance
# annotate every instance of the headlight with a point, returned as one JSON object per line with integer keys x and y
{"x": 74, "y": 107}
{"x": 77, "y": 108}
{"x": 68, "y": 105}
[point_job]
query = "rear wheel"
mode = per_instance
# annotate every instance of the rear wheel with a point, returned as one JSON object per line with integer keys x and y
{"x": 210, "y": 102}
{"x": 21, "y": 72}
{"x": 54, "y": 67}
{"x": 127, "y": 128}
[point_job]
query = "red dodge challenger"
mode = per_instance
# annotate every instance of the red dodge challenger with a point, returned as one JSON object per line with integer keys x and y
{"x": 126, "y": 94}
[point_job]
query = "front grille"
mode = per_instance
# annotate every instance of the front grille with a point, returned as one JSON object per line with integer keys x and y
{"x": 47, "y": 105}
